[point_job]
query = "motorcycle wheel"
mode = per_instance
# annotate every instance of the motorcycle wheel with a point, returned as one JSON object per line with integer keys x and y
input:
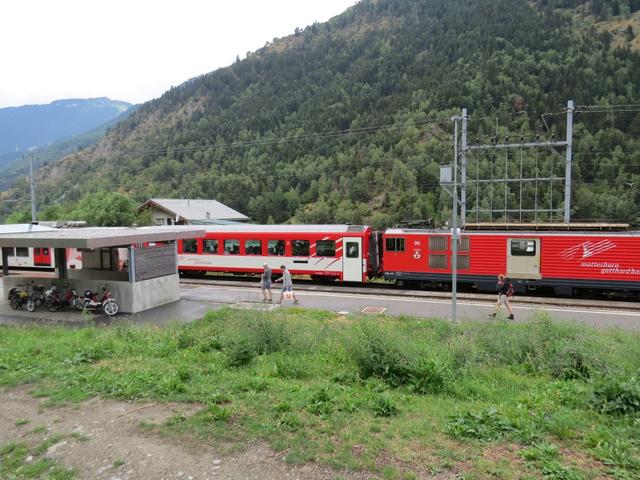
{"x": 31, "y": 305}
{"x": 111, "y": 307}
{"x": 78, "y": 304}
{"x": 15, "y": 303}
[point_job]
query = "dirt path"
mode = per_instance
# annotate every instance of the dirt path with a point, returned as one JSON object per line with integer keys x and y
{"x": 103, "y": 440}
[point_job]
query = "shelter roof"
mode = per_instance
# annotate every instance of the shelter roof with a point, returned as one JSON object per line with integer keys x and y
{"x": 23, "y": 228}
{"x": 194, "y": 209}
{"x": 98, "y": 237}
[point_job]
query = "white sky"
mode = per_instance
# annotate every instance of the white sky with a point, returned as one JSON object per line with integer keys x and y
{"x": 134, "y": 50}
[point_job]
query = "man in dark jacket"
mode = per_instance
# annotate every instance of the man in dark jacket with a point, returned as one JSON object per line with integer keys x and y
{"x": 505, "y": 290}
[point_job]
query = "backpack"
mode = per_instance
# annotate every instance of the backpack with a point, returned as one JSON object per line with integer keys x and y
{"x": 510, "y": 292}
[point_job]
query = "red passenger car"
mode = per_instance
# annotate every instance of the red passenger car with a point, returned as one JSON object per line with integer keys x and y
{"x": 347, "y": 253}
{"x": 563, "y": 260}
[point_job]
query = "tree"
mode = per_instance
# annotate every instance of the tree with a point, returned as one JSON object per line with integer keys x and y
{"x": 105, "y": 209}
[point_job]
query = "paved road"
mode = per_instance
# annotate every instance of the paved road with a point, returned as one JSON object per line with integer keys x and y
{"x": 197, "y": 299}
{"x": 250, "y": 297}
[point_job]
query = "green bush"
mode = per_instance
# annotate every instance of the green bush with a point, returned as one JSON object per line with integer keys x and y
{"x": 378, "y": 353}
{"x": 269, "y": 335}
{"x": 240, "y": 352}
{"x": 486, "y": 424}
{"x": 322, "y": 401}
{"x": 617, "y": 396}
{"x": 428, "y": 376}
{"x": 384, "y": 406}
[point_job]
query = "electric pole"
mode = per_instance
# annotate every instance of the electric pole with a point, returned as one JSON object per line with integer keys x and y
{"x": 33, "y": 189}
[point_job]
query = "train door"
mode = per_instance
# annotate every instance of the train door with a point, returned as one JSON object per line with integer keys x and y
{"x": 352, "y": 259}
{"x": 41, "y": 257}
{"x": 523, "y": 258}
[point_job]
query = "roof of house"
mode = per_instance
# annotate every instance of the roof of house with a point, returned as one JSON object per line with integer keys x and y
{"x": 195, "y": 209}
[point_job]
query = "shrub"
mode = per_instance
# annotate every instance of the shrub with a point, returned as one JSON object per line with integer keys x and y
{"x": 486, "y": 424}
{"x": 617, "y": 396}
{"x": 428, "y": 376}
{"x": 292, "y": 367}
{"x": 240, "y": 352}
{"x": 384, "y": 406}
{"x": 322, "y": 401}
{"x": 269, "y": 335}
{"x": 217, "y": 413}
{"x": 377, "y": 353}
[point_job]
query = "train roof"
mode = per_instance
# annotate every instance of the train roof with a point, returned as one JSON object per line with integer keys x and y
{"x": 250, "y": 228}
{"x": 530, "y": 233}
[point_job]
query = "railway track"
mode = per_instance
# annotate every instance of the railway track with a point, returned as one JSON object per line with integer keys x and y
{"x": 393, "y": 290}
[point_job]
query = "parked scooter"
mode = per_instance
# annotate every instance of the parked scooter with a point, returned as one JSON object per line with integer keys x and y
{"x": 106, "y": 303}
{"x": 56, "y": 300}
{"x": 18, "y": 297}
{"x": 35, "y": 298}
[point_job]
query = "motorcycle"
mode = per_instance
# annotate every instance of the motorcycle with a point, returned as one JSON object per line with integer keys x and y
{"x": 106, "y": 303}
{"x": 35, "y": 298}
{"x": 17, "y": 297}
{"x": 55, "y": 300}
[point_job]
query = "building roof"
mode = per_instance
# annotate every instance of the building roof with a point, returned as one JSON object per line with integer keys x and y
{"x": 23, "y": 228}
{"x": 194, "y": 209}
{"x": 97, "y": 237}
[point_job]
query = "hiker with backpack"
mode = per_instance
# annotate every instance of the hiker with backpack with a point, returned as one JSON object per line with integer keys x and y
{"x": 505, "y": 292}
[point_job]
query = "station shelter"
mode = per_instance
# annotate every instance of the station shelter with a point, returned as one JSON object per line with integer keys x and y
{"x": 137, "y": 264}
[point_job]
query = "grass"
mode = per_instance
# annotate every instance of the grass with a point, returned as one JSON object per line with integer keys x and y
{"x": 398, "y": 397}
{"x": 18, "y": 461}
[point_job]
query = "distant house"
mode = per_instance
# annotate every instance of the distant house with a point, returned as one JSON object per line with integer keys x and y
{"x": 166, "y": 211}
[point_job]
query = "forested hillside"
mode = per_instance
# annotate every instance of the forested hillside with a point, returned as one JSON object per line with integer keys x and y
{"x": 348, "y": 121}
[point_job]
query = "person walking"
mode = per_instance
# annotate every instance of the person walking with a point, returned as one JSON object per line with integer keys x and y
{"x": 265, "y": 283}
{"x": 505, "y": 290}
{"x": 287, "y": 284}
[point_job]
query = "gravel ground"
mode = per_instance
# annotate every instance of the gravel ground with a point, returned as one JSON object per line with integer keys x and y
{"x": 103, "y": 440}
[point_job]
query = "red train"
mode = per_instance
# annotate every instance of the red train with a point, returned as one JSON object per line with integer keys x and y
{"x": 563, "y": 260}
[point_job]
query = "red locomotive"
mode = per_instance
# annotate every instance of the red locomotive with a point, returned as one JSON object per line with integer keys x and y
{"x": 562, "y": 260}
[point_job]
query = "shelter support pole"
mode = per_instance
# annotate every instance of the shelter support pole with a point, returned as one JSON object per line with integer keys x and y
{"x": 61, "y": 263}
{"x": 5, "y": 261}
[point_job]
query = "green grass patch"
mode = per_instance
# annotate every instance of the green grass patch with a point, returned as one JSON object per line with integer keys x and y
{"x": 391, "y": 396}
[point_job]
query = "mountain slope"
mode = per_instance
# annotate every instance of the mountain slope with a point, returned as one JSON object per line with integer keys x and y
{"x": 264, "y": 135}
{"x": 15, "y": 165}
{"x": 33, "y": 125}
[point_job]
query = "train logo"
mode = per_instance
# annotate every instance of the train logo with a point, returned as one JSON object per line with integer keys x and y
{"x": 586, "y": 250}
{"x": 417, "y": 254}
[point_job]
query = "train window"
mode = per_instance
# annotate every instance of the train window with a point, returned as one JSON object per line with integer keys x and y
{"x": 22, "y": 252}
{"x": 463, "y": 244}
{"x": 10, "y": 252}
{"x": 232, "y": 247}
{"x": 300, "y": 248}
{"x": 45, "y": 251}
{"x": 463, "y": 262}
{"x": 326, "y": 248}
{"x": 438, "y": 243}
{"x": 253, "y": 247}
{"x": 395, "y": 245}
{"x": 276, "y": 247}
{"x": 190, "y": 246}
{"x": 210, "y": 247}
{"x": 523, "y": 248}
{"x": 437, "y": 260}
{"x": 353, "y": 250}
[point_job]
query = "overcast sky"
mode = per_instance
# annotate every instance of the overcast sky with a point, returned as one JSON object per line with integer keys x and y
{"x": 134, "y": 50}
